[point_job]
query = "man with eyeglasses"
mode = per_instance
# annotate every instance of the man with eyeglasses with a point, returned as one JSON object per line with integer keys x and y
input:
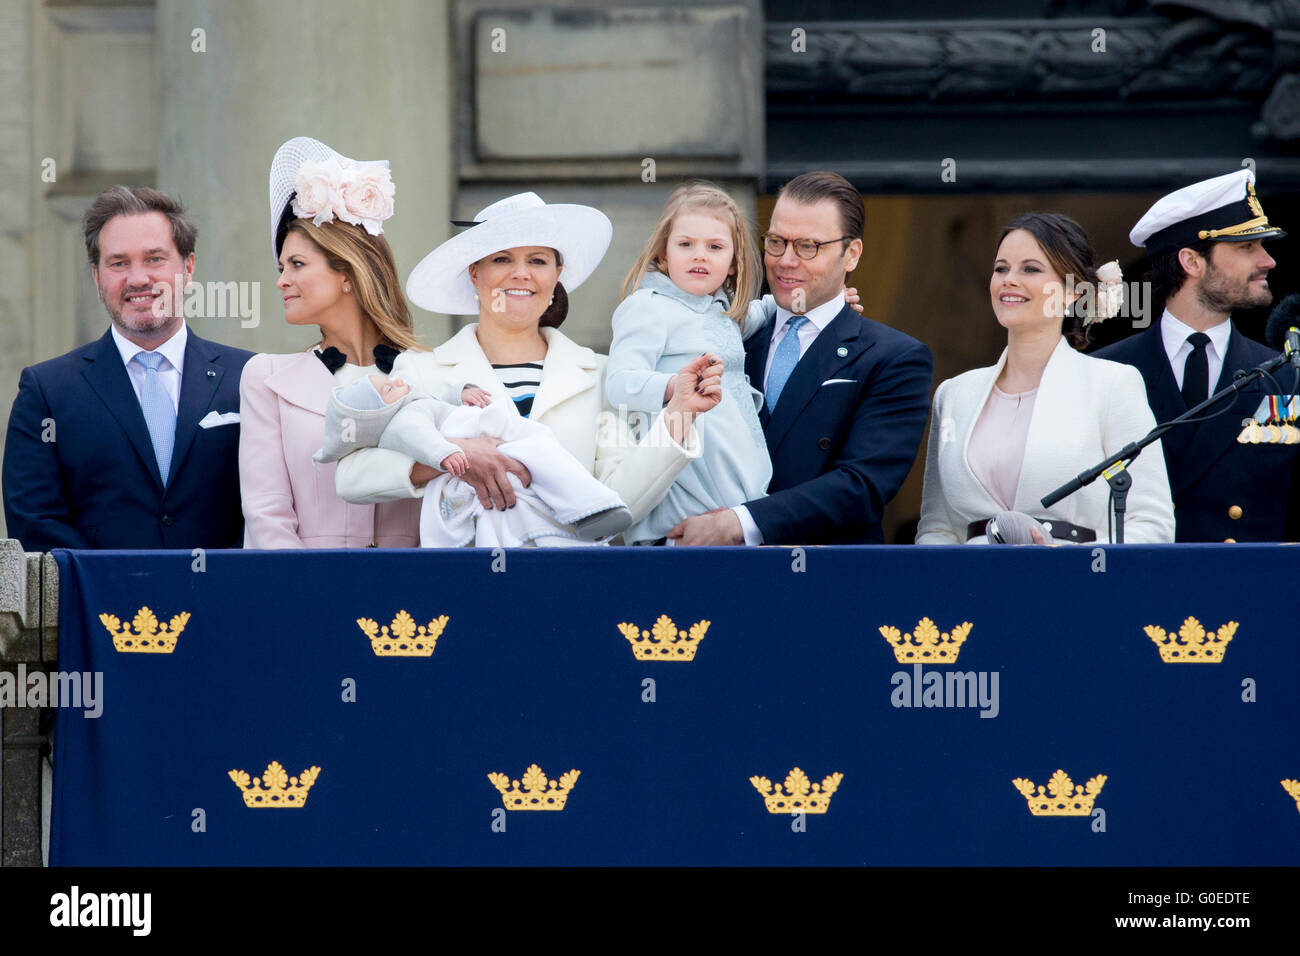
{"x": 845, "y": 398}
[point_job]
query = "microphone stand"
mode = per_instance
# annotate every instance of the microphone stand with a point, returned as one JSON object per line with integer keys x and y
{"x": 1115, "y": 467}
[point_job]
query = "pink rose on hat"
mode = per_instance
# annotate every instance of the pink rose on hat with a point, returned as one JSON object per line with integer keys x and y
{"x": 361, "y": 195}
{"x": 319, "y": 191}
{"x": 367, "y": 198}
{"x": 309, "y": 180}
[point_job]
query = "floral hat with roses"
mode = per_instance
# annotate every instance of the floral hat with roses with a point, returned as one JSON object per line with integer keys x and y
{"x": 311, "y": 181}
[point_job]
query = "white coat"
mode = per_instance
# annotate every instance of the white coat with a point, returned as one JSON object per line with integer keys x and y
{"x": 570, "y": 401}
{"x": 1085, "y": 409}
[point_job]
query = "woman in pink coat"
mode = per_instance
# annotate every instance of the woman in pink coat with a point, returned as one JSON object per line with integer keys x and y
{"x": 336, "y": 272}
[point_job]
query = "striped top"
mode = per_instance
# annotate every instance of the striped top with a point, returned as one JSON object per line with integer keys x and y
{"x": 521, "y": 382}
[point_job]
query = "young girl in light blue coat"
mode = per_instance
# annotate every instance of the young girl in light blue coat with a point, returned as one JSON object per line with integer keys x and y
{"x": 693, "y": 287}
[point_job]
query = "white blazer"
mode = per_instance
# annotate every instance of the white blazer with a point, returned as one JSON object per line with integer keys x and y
{"x": 570, "y": 401}
{"x": 1085, "y": 409}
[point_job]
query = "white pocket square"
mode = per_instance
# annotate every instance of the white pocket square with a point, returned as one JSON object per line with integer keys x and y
{"x": 213, "y": 419}
{"x": 839, "y": 381}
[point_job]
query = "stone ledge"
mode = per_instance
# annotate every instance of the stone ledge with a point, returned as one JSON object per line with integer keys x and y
{"x": 20, "y": 612}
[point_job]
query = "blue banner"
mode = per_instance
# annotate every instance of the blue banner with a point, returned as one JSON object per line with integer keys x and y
{"x": 334, "y": 707}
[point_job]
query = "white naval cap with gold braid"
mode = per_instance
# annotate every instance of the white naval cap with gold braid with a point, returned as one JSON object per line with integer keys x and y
{"x": 1224, "y": 209}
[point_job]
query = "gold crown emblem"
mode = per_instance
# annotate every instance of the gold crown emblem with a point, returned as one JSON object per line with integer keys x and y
{"x": 404, "y": 639}
{"x": 275, "y": 788}
{"x": 799, "y": 795}
{"x": 1066, "y": 799}
{"x": 149, "y": 637}
{"x": 664, "y": 642}
{"x": 536, "y": 792}
{"x": 927, "y": 645}
{"x": 1293, "y": 787}
{"x": 1253, "y": 201}
{"x": 1194, "y": 644}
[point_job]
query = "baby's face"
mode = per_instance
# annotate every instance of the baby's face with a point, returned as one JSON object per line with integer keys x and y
{"x": 389, "y": 389}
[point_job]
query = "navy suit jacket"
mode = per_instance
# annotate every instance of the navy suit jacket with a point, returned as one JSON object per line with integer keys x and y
{"x": 1209, "y": 471}
{"x": 79, "y": 466}
{"x": 845, "y": 432}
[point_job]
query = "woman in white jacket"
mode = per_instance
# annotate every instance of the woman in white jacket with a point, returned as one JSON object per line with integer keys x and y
{"x": 506, "y": 269}
{"x": 1003, "y": 437}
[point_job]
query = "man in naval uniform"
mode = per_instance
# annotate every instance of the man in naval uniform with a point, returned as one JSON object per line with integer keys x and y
{"x": 1206, "y": 245}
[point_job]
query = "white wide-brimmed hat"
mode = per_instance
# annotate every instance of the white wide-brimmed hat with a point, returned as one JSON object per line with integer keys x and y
{"x": 580, "y": 234}
{"x": 289, "y": 161}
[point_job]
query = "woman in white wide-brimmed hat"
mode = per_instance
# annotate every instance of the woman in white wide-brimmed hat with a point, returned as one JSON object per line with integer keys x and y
{"x": 336, "y": 272}
{"x": 507, "y": 268}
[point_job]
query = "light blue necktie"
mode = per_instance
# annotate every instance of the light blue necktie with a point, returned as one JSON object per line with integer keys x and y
{"x": 159, "y": 412}
{"x": 784, "y": 361}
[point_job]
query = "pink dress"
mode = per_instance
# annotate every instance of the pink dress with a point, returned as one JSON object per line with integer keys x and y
{"x": 997, "y": 443}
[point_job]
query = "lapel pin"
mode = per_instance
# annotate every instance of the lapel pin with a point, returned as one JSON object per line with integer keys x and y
{"x": 211, "y": 374}
{"x": 841, "y": 351}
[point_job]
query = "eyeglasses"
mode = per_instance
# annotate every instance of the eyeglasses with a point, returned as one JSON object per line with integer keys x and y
{"x": 774, "y": 245}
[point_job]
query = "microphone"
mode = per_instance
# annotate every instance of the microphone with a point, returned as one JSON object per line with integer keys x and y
{"x": 1283, "y": 329}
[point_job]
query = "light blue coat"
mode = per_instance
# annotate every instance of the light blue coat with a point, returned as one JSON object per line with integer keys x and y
{"x": 657, "y": 330}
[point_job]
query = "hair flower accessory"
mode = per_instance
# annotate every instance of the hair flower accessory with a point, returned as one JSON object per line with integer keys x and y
{"x": 1110, "y": 293}
{"x": 330, "y": 189}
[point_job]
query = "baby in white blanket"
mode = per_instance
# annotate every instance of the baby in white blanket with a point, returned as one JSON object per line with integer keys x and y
{"x": 563, "y": 506}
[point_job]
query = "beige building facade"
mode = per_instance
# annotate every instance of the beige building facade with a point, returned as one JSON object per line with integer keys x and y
{"x": 469, "y": 101}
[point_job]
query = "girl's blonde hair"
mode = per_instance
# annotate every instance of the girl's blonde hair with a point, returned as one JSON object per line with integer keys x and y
{"x": 704, "y": 197}
{"x": 368, "y": 261}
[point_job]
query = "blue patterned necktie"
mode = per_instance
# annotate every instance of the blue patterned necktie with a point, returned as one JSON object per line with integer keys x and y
{"x": 784, "y": 361}
{"x": 159, "y": 412}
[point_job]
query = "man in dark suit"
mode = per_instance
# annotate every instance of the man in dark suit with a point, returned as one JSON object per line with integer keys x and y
{"x": 846, "y": 398}
{"x": 1207, "y": 255}
{"x": 131, "y": 441}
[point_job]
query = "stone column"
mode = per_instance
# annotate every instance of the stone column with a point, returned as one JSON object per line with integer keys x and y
{"x": 239, "y": 77}
{"x": 69, "y": 132}
{"x": 18, "y": 185}
{"x": 23, "y": 609}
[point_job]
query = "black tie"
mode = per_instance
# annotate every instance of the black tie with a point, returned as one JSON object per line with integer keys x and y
{"x": 1196, "y": 373}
